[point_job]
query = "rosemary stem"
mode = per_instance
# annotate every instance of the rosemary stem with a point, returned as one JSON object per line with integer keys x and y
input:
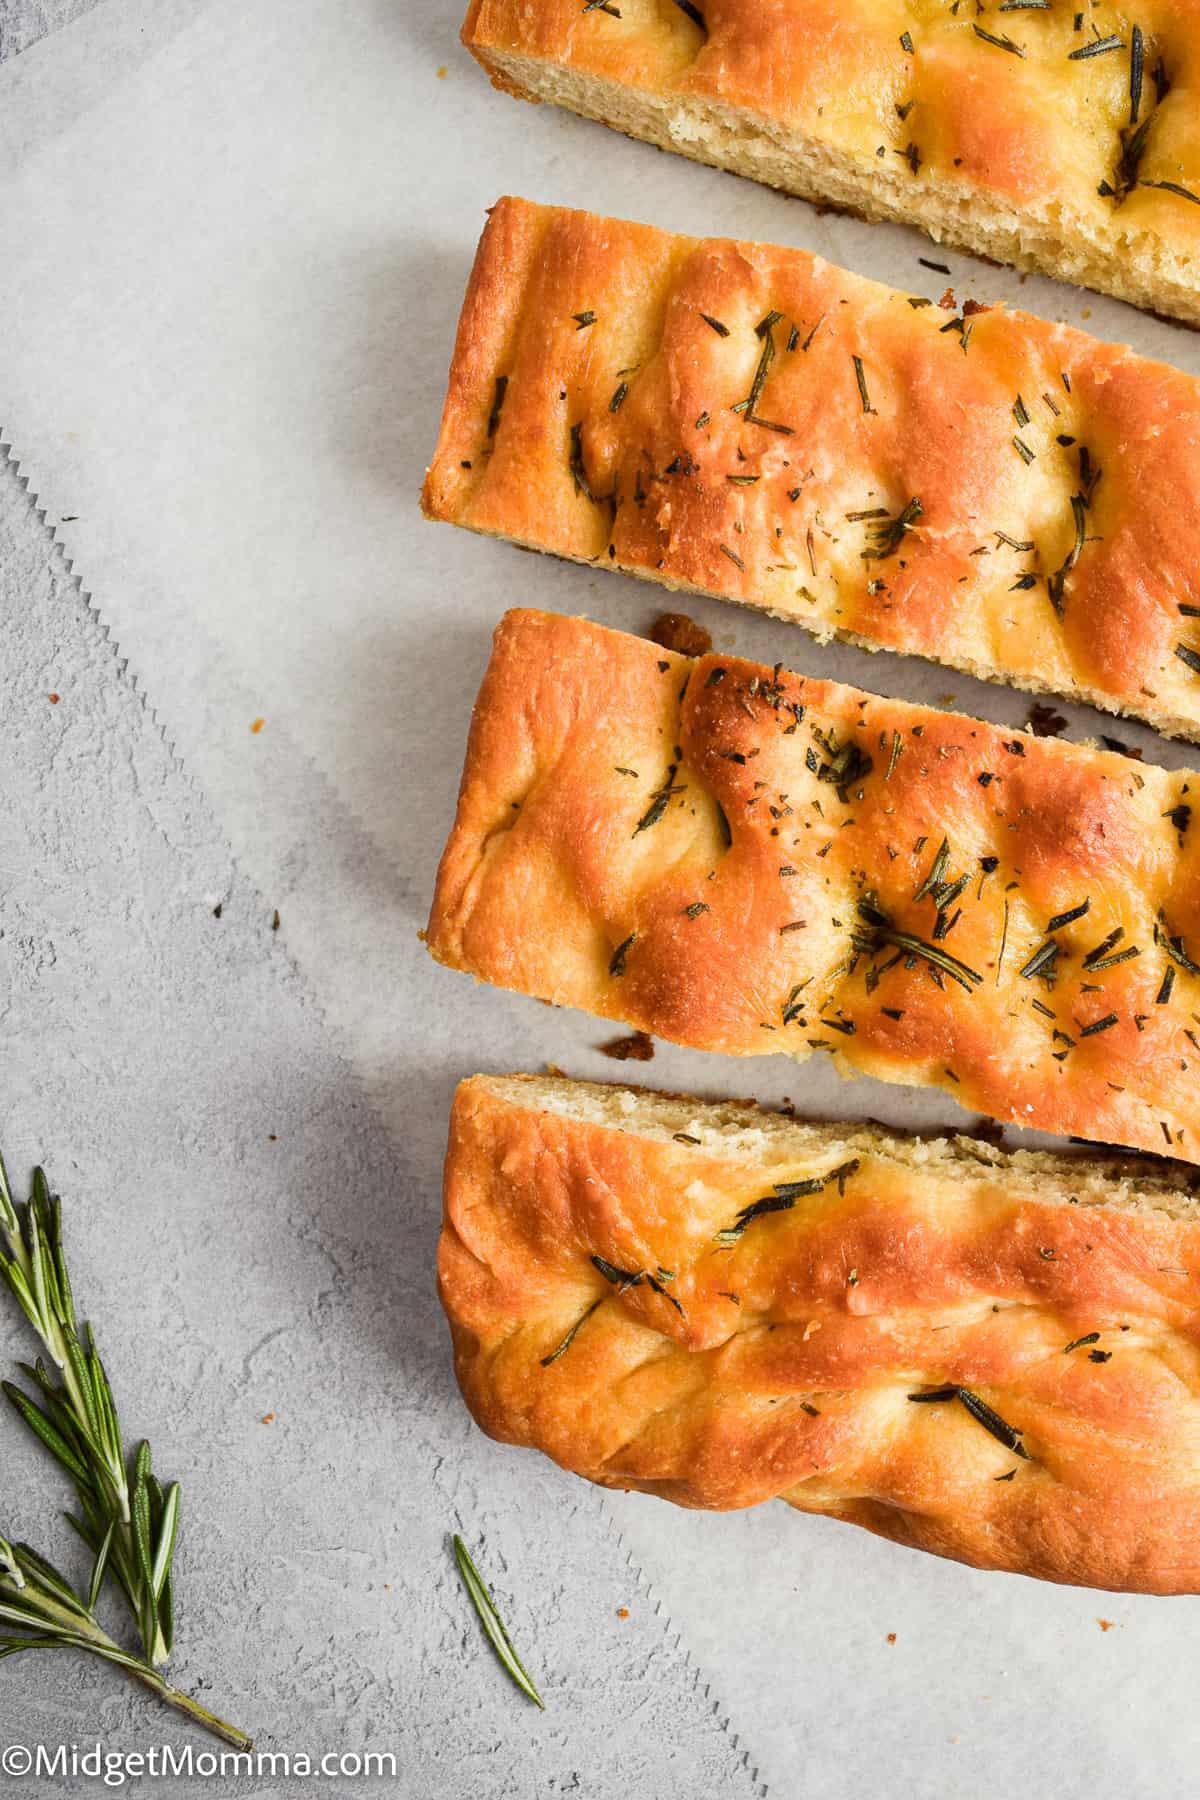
{"x": 192, "y": 1709}
{"x": 85, "y": 1634}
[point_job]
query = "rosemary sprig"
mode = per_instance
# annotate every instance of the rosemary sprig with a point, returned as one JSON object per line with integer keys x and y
{"x": 129, "y": 1520}
{"x": 492, "y": 1623}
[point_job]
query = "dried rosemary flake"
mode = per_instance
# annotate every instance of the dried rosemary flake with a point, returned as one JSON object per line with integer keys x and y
{"x": 561, "y": 1348}
{"x": 784, "y": 1196}
{"x": 1000, "y": 43}
{"x": 1174, "y": 947}
{"x": 497, "y": 404}
{"x": 937, "y": 871}
{"x": 861, "y": 379}
{"x": 1098, "y": 47}
{"x": 888, "y": 533}
{"x": 620, "y": 1278}
{"x": 617, "y": 964}
{"x": 1069, "y": 917}
{"x": 1057, "y": 583}
{"x": 1137, "y": 61}
{"x": 1174, "y": 187}
{"x": 1110, "y": 962}
{"x": 656, "y": 1284}
{"x": 1042, "y": 962}
{"x": 659, "y": 802}
{"x": 578, "y": 471}
{"x": 1008, "y": 1435}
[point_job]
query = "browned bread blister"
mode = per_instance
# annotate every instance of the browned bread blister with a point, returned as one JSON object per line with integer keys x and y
{"x": 1012, "y": 498}
{"x": 1057, "y": 137}
{"x": 992, "y": 1357}
{"x": 744, "y": 860}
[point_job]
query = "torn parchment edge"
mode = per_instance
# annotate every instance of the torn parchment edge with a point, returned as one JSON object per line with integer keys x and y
{"x": 127, "y": 671}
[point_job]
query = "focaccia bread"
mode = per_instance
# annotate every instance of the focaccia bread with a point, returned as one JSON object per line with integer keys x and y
{"x": 993, "y": 1357}
{"x": 1043, "y": 133}
{"x": 1006, "y": 496}
{"x": 740, "y": 859}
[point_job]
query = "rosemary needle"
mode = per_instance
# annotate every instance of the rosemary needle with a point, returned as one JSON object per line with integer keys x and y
{"x": 492, "y": 1623}
{"x": 129, "y": 1520}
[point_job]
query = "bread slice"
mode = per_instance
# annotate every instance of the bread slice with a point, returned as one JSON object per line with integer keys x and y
{"x": 1009, "y": 497}
{"x": 744, "y": 860}
{"x": 989, "y": 1356}
{"x": 1061, "y": 139}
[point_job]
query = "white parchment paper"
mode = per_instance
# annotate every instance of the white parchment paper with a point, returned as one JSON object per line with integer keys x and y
{"x": 233, "y": 243}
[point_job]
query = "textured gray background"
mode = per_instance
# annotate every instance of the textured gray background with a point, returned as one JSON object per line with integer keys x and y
{"x": 251, "y": 1240}
{"x": 23, "y": 22}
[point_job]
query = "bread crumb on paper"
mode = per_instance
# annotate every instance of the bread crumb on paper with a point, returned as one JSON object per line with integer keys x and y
{"x": 638, "y": 1047}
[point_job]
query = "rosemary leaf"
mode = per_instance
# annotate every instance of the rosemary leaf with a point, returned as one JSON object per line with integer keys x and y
{"x": 1000, "y": 43}
{"x": 1174, "y": 187}
{"x": 493, "y": 1624}
{"x": 564, "y": 1344}
{"x": 1098, "y": 47}
{"x": 785, "y": 1195}
{"x": 1008, "y": 1435}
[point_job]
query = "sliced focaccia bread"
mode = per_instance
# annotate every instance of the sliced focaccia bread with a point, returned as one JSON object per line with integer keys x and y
{"x": 1009, "y": 497}
{"x": 989, "y": 1356}
{"x": 1057, "y": 137}
{"x": 744, "y": 860}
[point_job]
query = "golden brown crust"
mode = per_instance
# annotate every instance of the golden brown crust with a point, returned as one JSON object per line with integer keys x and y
{"x": 780, "y": 1363}
{"x": 1010, "y": 134}
{"x": 740, "y": 859}
{"x": 900, "y": 511}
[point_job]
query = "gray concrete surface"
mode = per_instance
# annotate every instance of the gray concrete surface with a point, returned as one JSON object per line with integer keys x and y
{"x": 24, "y": 22}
